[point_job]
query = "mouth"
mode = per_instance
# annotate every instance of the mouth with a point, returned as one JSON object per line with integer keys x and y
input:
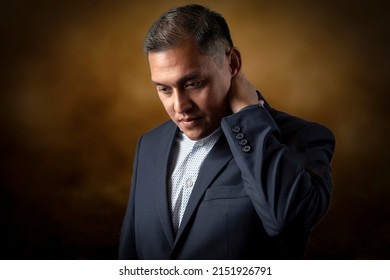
{"x": 190, "y": 122}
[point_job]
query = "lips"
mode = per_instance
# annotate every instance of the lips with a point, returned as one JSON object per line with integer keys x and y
{"x": 189, "y": 119}
{"x": 190, "y": 122}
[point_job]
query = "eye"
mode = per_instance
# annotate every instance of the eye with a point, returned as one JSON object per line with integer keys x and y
{"x": 163, "y": 89}
{"x": 193, "y": 84}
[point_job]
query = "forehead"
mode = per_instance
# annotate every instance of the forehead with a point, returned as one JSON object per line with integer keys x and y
{"x": 171, "y": 65}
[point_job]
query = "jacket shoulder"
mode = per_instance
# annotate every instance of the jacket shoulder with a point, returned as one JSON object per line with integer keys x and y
{"x": 293, "y": 128}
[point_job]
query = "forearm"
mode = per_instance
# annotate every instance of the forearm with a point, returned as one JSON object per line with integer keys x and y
{"x": 289, "y": 187}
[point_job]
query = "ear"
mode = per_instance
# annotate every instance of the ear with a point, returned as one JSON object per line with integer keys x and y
{"x": 234, "y": 58}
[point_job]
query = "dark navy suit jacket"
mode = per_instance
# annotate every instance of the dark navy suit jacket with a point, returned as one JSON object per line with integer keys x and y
{"x": 253, "y": 199}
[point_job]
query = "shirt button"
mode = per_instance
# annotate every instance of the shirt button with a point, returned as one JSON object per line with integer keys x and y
{"x": 246, "y": 149}
{"x": 243, "y": 142}
{"x": 189, "y": 183}
{"x": 239, "y": 136}
{"x": 236, "y": 129}
{"x": 200, "y": 143}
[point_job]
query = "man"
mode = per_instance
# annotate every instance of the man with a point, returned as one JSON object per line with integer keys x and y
{"x": 228, "y": 177}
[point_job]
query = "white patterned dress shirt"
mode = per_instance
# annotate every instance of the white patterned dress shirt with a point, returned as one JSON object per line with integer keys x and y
{"x": 185, "y": 162}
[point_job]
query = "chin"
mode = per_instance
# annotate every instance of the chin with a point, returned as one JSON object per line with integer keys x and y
{"x": 194, "y": 135}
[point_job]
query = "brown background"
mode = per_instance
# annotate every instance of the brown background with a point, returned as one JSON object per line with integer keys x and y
{"x": 76, "y": 95}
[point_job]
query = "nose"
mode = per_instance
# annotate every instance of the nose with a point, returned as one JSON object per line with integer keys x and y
{"x": 182, "y": 103}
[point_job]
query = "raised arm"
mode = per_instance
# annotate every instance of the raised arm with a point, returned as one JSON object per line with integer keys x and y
{"x": 284, "y": 160}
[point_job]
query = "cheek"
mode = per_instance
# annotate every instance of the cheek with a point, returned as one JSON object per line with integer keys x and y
{"x": 227, "y": 82}
{"x": 168, "y": 106}
{"x": 223, "y": 85}
{"x": 220, "y": 91}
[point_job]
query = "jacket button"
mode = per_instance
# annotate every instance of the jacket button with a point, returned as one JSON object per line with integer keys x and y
{"x": 246, "y": 149}
{"x": 243, "y": 142}
{"x": 236, "y": 129}
{"x": 239, "y": 136}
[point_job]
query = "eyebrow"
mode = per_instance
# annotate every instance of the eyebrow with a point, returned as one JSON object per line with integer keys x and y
{"x": 182, "y": 80}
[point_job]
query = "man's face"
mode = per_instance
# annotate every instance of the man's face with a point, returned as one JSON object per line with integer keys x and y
{"x": 192, "y": 87}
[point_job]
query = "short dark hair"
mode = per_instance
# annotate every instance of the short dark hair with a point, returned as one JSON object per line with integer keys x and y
{"x": 208, "y": 28}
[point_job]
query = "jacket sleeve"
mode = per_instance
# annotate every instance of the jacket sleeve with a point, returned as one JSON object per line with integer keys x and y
{"x": 127, "y": 249}
{"x": 286, "y": 173}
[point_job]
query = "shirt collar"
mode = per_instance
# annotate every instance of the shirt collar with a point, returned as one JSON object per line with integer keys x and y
{"x": 213, "y": 137}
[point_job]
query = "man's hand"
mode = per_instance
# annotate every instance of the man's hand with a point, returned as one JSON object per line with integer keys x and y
{"x": 242, "y": 93}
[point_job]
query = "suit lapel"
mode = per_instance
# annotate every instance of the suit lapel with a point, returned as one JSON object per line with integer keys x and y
{"x": 167, "y": 141}
{"x": 218, "y": 157}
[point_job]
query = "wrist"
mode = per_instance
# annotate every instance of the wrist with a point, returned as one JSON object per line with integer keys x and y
{"x": 241, "y": 106}
{"x": 246, "y": 107}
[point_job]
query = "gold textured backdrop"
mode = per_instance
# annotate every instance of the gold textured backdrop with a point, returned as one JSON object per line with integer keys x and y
{"x": 76, "y": 95}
